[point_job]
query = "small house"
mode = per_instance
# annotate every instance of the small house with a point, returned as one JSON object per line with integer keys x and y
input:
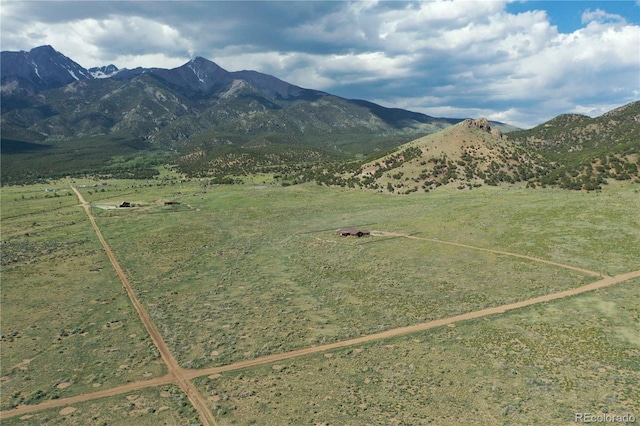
{"x": 353, "y": 232}
{"x": 125, "y": 204}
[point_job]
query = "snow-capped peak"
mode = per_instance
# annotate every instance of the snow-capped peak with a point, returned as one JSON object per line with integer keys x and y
{"x": 104, "y": 71}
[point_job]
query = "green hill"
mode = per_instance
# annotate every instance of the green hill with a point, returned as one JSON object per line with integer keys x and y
{"x": 587, "y": 151}
{"x": 467, "y": 155}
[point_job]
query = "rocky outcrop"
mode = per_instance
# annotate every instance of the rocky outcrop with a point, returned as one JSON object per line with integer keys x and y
{"x": 480, "y": 123}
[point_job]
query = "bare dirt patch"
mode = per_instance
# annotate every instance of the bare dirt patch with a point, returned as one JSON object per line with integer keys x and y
{"x": 68, "y": 410}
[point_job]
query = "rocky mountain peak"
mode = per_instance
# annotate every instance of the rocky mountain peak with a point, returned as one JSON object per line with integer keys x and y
{"x": 104, "y": 71}
{"x": 41, "y": 68}
{"x": 202, "y": 65}
{"x": 43, "y": 50}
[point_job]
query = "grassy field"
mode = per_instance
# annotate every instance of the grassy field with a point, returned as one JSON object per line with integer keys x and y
{"x": 165, "y": 405}
{"x": 67, "y": 325}
{"x": 237, "y": 272}
{"x": 538, "y": 365}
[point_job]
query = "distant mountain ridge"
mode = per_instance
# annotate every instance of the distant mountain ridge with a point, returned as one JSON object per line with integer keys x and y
{"x": 586, "y": 150}
{"x": 44, "y": 68}
{"x": 568, "y": 133}
{"x": 40, "y": 88}
{"x": 41, "y": 68}
{"x": 59, "y": 118}
{"x": 104, "y": 71}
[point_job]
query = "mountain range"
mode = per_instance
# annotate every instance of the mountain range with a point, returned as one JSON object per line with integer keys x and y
{"x": 47, "y": 96}
{"x": 51, "y": 104}
{"x": 59, "y": 118}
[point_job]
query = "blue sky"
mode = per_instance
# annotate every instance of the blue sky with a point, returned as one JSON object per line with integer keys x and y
{"x": 567, "y": 15}
{"x": 521, "y": 62}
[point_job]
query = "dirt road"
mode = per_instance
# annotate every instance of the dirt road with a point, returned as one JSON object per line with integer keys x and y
{"x": 191, "y": 374}
{"x": 504, "y": 253}
{"x": 182, "y": 377}
{"x": 174, "y": 369}
{"x": 54, "y": 403}
{"x": 605, "y": 282}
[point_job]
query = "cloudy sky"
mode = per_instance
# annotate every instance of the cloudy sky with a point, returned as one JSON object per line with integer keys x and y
{"x": 522, "y": 62}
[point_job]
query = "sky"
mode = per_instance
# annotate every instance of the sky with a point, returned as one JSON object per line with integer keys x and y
{"x": 520, "y": 62}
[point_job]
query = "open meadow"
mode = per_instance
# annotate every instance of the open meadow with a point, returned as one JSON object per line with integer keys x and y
{"x": 539, "y": 365}
{"x": 230, "y": 273}
{"x": 237, "y": 272}
{"x": 163, "y": 405}
{"x": 67, "y": 326}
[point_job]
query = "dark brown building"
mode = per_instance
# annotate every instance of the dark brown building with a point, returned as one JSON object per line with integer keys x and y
{"x": 348, "y": 232}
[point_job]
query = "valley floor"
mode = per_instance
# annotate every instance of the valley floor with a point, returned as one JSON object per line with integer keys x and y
{"x": 496, "y": 305}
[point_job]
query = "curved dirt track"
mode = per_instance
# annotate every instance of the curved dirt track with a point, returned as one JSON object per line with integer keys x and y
{"x": 181, "y": 377}
{"x": 504, "y": 253}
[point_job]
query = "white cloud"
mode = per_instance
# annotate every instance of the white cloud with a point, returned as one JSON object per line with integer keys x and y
{"x": 125, "y": 41}
{"x": 325, "y": 71}
{"x": 601, "y": 17}
{"x": 522, "y": 59}
{"x": 138, "y": 38}
{"x": 456, "y": 58}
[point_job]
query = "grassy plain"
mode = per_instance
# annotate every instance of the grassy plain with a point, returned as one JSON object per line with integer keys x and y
{"x": 67, "y": 325}
{"x": 165, "y": 405}
{"x": 237, "y": 272}
{"x": 538, "y": 365}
